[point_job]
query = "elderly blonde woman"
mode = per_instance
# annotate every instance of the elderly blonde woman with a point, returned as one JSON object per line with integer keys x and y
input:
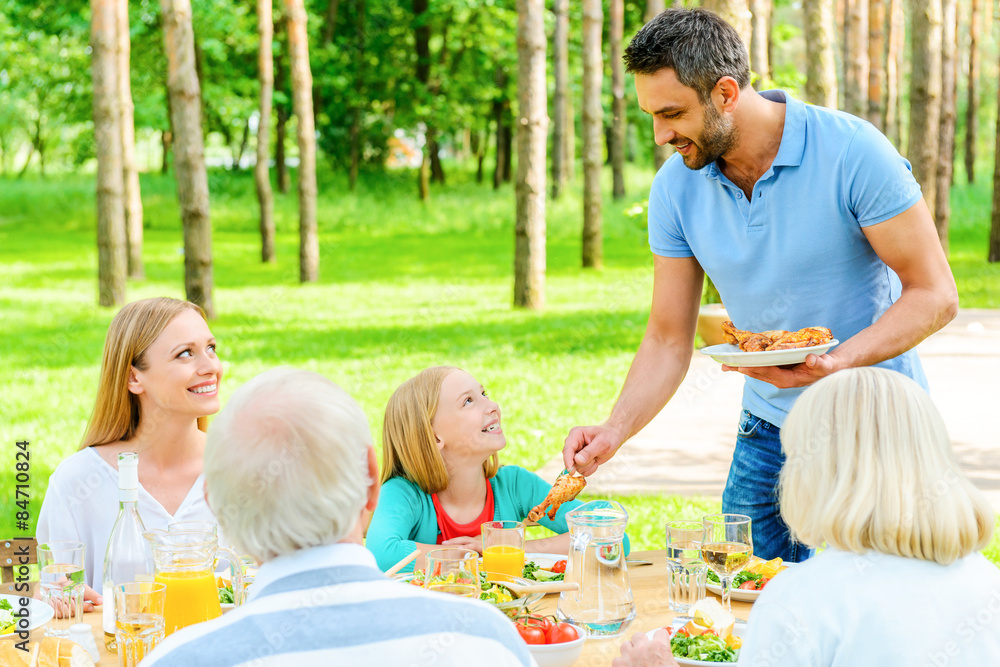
{"x": 870, "y": 473}
{"x": 160, "y": 378}
{"x": 291, "y": 473}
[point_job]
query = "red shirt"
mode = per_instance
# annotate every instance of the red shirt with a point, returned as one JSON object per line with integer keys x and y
{"x": 447, "y": 528}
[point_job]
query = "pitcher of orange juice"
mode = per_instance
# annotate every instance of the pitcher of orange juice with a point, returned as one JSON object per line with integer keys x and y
{"x": 185, "y": 563}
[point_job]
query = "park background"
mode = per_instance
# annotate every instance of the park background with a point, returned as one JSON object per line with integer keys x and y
{"x": 416, "y": 108}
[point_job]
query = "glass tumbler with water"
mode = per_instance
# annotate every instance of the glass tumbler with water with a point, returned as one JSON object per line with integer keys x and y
{"x": 603, "y": 603}
{"x": 686, "y": 571}
{"x": 139, "y": 623}
{"x": 61, "y": 577}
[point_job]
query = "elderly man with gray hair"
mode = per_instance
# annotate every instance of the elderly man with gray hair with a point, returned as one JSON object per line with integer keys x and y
{"x": 291, "y": 473}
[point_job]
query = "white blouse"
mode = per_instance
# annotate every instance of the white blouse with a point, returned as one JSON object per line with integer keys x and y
{"x": 81, "y": 504}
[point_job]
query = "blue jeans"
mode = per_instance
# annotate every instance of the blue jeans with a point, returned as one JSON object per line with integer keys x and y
{"x": 752, "y": 489}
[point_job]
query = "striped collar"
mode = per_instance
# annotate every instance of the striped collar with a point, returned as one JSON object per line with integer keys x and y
{"x": 351, "y": 560}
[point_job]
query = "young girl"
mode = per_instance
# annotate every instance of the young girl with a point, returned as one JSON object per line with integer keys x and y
{"x": 441, "y": 478}
{"x": 159, "y": 379}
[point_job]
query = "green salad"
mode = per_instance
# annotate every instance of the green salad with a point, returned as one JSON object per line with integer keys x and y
{"x": 7, "y": 621}
{"x": 741, "y": 578}
{"x": 534, "y": 573}
{"x": 707, "y": 648}
{"x": 226, "y": 595}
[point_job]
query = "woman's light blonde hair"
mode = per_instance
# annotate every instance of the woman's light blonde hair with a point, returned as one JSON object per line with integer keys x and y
{"x": 286, "y": 464}
{"x": 409, "y": 446}
{"x": 869, "y": 467}
{"x": 117, "y": 412}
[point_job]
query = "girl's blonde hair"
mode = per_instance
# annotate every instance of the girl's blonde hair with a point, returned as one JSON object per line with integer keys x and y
{"x": 409, "y": 446}
{"x": 869, "y": 467}
{"x": 117, "y": 412}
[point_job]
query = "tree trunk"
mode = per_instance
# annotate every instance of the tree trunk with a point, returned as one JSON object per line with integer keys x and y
{"x": 925, "y": 96}
{"x": 189, "y": 156}
{"x": 972, "y": 104}
{"x": 993, "y": 251}
{"x": 876, "y": 62}
{"x": 329, "y": 25}
{"x": 593, "y": 126}
{"x": 298, "y": 53}
{"x": 244, "y": 141}
{"x": 532, "y": 130}
{"x": 358, "y": 94}
{"x": 166, "y": 141}
{"x": 434, "y": 150}
{"x": 660, "y": 153}
{"x": 281, "y": 83}
{"x": 618, "y": 118}
{"x": 736, "y": 13}
{"x": 896, "y": 23}
{"x": 821, "y": 68}
{"x": 262, "y": 175}
{"x": 760, "y": 33}
{"x": 946, "y": 133}
{"x": 130, "y": 177}
{"x": 481, "y": 143}
{"x": 499, "y": 106}
{"x": 569, "y": 159}
{"x": 508, "y": 143}
{"x": 560, "y": 59}
{"x": 112, "y": 257}
{"x": 422, "y": 46}
{"x": 856, "y": 59}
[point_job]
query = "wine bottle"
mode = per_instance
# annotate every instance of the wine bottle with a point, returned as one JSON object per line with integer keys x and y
{"x": 129, "y": 556}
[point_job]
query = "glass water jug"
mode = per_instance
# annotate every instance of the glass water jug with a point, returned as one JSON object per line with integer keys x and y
{"x": 603, "y": 603}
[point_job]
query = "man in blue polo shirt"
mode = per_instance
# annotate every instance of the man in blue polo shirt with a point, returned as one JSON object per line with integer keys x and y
{"x": 801, "y": 215}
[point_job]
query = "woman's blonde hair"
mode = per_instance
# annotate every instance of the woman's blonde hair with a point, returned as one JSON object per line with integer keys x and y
{"x": 409, "y": 446}
{"x": 117, "y": 412}
{"x": 869, "y": 467}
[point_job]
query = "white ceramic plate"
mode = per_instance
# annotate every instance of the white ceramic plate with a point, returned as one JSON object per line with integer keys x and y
{"x": 739, "y": 594}
{"x": 39, "y": 613}
{"x": 739, "y": 629}
{"x": 731, "y": 355}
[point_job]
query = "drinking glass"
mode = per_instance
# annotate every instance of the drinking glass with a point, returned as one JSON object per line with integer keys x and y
{"x": 60, "y": 566}
{"x": 454, "y": 571}
{"x": 727, "y": 548}
{"x": 686, "y": 570}
{"x": 139, "y": 624}
{"x": 503, "y": 549}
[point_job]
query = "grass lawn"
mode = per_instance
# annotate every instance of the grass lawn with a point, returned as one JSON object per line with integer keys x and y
{"x": 403, "y": 286}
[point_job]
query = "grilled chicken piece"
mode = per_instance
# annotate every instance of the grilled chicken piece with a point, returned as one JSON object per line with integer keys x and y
{"x": 806, "y": 337}
{"x": 566, "y": 488}
{"x": 733, "y": 335}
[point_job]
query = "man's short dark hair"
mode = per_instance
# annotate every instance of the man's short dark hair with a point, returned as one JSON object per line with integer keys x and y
{"x": 699, "y": 46}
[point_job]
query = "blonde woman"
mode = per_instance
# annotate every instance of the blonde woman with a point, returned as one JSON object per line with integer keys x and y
{"x": 870, "y": 472}
{"x": 441, "y": 476}
{"x": 159, "y": 379}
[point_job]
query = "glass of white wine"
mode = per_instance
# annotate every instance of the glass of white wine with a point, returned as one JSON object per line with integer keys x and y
{"x": 454, "y": 571}
{"x": 727, "y": 548}
{"x": 61, "y": 577}
{"x": 139, "y": 624}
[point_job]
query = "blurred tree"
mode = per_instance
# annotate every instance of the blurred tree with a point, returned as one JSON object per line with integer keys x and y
{"x": 130, "y": 176}
{"x": 298, "y": 51}
{"x": 972, "y": 92}
{"x": 112, "y": 259}
{"x": 876, "y": 62}
{"x": 894, "y": 42}
{"x": 618, "y": 116}
{"x": 660, "y": 153}
{"x": 735, "y": 12}
{"x": 189, "y": 152}
{"x": 760, "y": 41}
{"x": 593, "y": 125}
{"x": 561, "y": 122}
{"x": 946, "y": 131}
{"x": 856, "y": 58}
{"x": 532, "y": 129}
{"x": 821, "y": 71}
{"x": 925, "y": 96}
{"x": 262, "y": 174}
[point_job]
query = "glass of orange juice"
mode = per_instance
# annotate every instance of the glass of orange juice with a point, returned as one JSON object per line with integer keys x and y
{"x": 503, "y": 549}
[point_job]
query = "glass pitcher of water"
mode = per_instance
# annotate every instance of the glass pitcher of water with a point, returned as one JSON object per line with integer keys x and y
{"x": 603, "y": 603}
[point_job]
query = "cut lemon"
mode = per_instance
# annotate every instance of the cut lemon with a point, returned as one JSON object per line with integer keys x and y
{"x": 702, "y": 619}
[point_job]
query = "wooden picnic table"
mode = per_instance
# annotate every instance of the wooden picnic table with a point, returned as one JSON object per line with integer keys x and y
{"x": 648, "y": 588}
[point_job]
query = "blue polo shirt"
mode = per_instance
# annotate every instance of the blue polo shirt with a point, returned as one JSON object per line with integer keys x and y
{"x": 794, "y": 256}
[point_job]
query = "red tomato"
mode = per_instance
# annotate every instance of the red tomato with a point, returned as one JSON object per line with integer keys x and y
{"x": 763, "y": 582}
{"x": 531, "y": 634}
{"x": 670, "y": 630}
{"x": 711, "y": 631}
{"x": 539, "y": 622}
{"x": 749, "y": 585}
{"x": 683, "y": 632}
{"x": 560, "y": 566}
{"x": 560, "y": 633}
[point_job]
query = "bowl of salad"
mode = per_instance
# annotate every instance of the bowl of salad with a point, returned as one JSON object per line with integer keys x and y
{"x": 39, "y": 614}
{"x": 490, "y": 591}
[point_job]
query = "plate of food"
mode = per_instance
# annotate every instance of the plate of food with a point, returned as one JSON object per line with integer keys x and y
{"x": 494, "y": 592}
{"x": 710, "y": 636}
{"x": 751, "y": 580}
{"x": 776, "y": 347}
{"x": 544, "y": 567}
{"x": 39, "y": 614}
